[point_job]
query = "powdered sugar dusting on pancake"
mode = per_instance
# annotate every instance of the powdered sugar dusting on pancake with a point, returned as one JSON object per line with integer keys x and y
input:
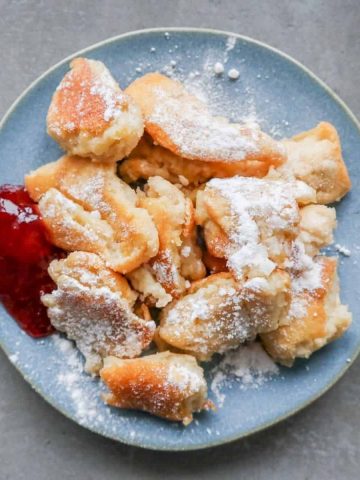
{"x": 256, "y": 207}
{"x": 199, "y": 134}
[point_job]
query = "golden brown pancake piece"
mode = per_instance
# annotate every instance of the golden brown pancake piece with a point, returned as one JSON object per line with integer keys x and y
{"x": 87, "y": 207}
{"x": 180, "y": 122}
{"x": 179, "y": 257}
{"x": 218, "y": 313}
{"x": 168, "y": 385}
{"x": 148, "y": 160}
{"x": 315, "y": 157}
{"x": 322, "y": 319}
{"x": 250, "y": 222}
{"x": 93, "y": 306}
{"x": 317, "y": 223}
{"x": 91, "y": 116}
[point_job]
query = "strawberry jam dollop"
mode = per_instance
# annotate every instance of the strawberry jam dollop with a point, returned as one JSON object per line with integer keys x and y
{"x": 25, "y": 254}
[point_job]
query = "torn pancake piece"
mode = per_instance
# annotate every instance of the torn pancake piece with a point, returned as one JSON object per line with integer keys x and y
{"x": 315, "y": 157}
{"x": 148, "y": 160}
{"x": 179, "y": 257}
{"x": 93, "y": 306}
{"x": 86, "y": 207}
{"x": 316, "y": 317}
{"x": 167, "y": 385}
{"x": 317, "y": 223}
{"x": 90, "y": 116}
{"x": 250, "y": 222}
{"x": 218, "y": 313}
{"x": 183, "y": 124}
{"x": 143, "y": 280}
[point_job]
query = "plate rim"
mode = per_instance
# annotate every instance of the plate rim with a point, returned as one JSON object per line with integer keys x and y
{"x": 314, "y": 77}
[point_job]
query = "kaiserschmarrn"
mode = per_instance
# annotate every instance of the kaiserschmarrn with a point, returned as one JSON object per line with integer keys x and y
{"x": 205, "y": 236}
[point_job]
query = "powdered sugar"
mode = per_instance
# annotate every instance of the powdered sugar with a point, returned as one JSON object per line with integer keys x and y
{"x": 258, "y": 209}
{"x": 217, "y": 383}
{"x": 249, "y": 364}
{"x": 218, "y": 68}
{"x": 264, "y": 217}
{"x": 233, "y": 74}
{"x": 14, "y": 357}
{"x": 219, "y": 316}
{"x": 298, "y": 307}
{"x": 72, "y": 223}
{"x": 309, "y": 278}
{"x": 98, "y": 319}
{"x": 305, "y": 277}
{"x": 183, "y": 377}
{"x": 165, "y": 270}
{"x": 23, "y": 214}
{"x": 230, "y": 44}
{"x": 200, "y": 309}
{"x": 82, "y": 393}
{"x": 185, "y": 251}
{"x": 91, "y": 117}
{"x": 198, "y": 134}
{"x": 208, "y": 85}
{"x": 97, "y": 82}
{"x": 343, "y": 250}
{"x": 71, "y": 379}
{"x": 110, "y": 98}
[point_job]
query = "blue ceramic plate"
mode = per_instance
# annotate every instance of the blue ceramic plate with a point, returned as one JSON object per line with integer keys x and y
{"x": 287, "y": 99}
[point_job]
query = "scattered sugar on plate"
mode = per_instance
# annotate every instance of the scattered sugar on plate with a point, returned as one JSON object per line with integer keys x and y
{"x": 169, "y": 69}
{"x": 204, "y": 82}
{"x": 14, "y": 357}
{"x": 249, "y": 364}
{"x": 343, "y": 250}
{"x": 233, "y": 74}
{"x": 87, "y": 404}
{"x": 217, "y": 383}
{"x": 70, "y": 379}
{"x": 230, "y": 43}
{"x": 218, "y": 68}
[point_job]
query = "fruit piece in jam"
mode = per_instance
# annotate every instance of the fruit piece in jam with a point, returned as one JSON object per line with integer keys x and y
{"x": 25, "y": 254}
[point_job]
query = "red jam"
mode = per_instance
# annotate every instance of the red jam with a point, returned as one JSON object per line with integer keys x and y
{"x": 25, "y": 254}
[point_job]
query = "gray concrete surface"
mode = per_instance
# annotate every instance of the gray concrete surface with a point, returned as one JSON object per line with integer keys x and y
{"x": 322, "y": 442}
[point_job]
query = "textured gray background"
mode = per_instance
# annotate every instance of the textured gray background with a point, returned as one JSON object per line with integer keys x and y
{"x": 38, "y": 443}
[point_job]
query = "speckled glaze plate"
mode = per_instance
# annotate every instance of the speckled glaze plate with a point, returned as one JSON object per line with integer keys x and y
{"x": 286, "y": 99}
